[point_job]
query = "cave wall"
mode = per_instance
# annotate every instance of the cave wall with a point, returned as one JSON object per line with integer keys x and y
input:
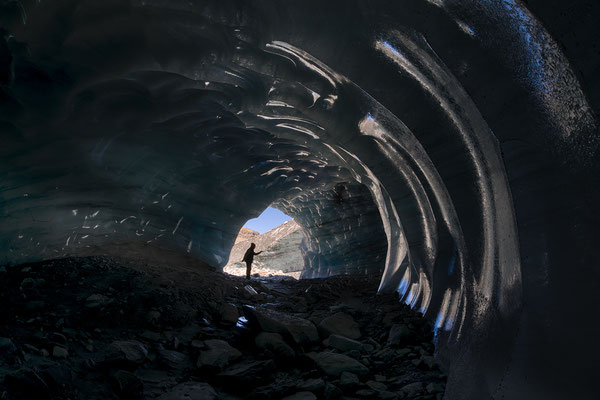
{"x": 465, "y": 132}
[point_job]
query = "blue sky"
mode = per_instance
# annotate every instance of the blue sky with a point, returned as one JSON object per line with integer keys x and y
{"x": 269, "y": 219}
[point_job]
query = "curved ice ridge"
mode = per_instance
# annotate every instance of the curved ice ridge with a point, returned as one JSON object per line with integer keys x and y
{"x": 448, "y": 146}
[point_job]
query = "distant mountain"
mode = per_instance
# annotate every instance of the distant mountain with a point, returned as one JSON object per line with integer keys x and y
{"x": 246, "y": 235}
{"x": 280, "y": 249}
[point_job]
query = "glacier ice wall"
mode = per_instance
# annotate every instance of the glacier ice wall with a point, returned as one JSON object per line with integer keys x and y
{"x": 449, "y": 145}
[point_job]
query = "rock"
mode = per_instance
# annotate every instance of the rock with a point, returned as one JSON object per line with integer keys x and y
{"x": 26, "y": 383}
{"x": 331, "y": 392}
{"x": 412, "y": 389}
{"x": 247, "y": 373}
{"x": 366, "y": 393}
{"x": 434, "y": 387}
{"x": 190, "y": 391}
{"x": 2, "y": 270}
{"x": 312, "y": 385}
{"x": 274, "y": 343}
{"x": 126, "y": 351}
{"x": 334, "y": 364}
{"x": 28, "y": 283}
{"x": 35, "y": 305}
{"x": 340, "y": 324}
{"x": 152, "y": 317}
{"x": 8, "y": 350}
{"x": 229, "y": 313}
{"x": 250, "y": 292}
{"x": 173, "y": 360}
{"x": 59, "y": 352}
{"x": 218, "y": 354}
{"x": 301, "y": 330}
{"x": 97, "y": 301}
{"x": 377, "y": 386}
{"x": 399, "y": 335}
{"x": 127, "y": 385}
{"x": 57, "y": 375}
{"x": 348, "y": 380}
{"x": 343, "y": 343}
{"x": 57, "y": 338}
{"x": 301, "y": 396}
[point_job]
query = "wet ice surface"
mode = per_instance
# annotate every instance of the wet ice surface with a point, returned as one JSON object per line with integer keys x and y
{"x": 97, "y": 327}
{"x": 448, "y": 144}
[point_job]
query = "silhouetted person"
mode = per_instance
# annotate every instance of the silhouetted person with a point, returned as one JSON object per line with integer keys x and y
{"x": 248, "y": 258}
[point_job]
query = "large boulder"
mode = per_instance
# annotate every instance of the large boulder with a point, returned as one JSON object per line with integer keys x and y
{"x": 334, "y": 364}
{"x": 218, "y": 354}
{"x": 340, "y": 324}
{"x": 300, "y": 330}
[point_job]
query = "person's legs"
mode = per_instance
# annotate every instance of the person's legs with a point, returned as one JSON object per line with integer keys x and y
{"x": 248, "y": 268}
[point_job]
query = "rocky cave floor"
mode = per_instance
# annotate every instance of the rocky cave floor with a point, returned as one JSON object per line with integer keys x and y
{"x": 103, "y": 328}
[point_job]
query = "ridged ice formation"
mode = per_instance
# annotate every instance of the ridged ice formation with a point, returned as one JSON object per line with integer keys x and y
{"x": 450, "y": 143}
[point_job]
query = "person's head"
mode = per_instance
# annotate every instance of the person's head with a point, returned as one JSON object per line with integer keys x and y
{"x": 252, "y": 245}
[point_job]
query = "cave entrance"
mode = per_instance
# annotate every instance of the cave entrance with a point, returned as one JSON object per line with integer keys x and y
{"x": 278, "y": 237}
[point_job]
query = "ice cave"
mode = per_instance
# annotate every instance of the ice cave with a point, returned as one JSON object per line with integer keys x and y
{"x": 449, "y": 146}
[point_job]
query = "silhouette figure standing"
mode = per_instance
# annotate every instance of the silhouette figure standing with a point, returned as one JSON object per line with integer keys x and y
{"x": 248, "y": 258}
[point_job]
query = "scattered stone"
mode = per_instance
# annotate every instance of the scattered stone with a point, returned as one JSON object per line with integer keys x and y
{"x": 280, "y": 329}
{"x": 191, "y": 391}
{"x": 341, "y": 324}
{"x": 218, "y": 354}
{"x": 334, "y": 364}
{"x": 127, "y": 385}
{"x": 399, "y": 335}
{"x": 274, "y": 343}
{"x": 59, "y": 352}
{"x": 301, "y": 330}
{"x": 301, "y": 396}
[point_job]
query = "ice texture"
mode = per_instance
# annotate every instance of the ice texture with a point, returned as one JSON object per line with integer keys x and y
{"x": 449, "y": 145}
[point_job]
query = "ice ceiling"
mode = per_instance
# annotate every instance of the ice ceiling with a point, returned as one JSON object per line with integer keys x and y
{"x": 450, "y": 145}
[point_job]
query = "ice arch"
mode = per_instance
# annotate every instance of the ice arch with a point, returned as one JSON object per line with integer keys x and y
{"x": 456, "y": 137}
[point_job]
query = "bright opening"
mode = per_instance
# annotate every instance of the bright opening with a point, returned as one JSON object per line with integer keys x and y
{"x": 278, "y": 237}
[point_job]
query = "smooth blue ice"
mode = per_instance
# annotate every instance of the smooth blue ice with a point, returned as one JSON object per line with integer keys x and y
{"x": 449, "y": 146}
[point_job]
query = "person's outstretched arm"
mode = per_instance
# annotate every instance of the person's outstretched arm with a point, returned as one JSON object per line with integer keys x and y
{"x": 257, "y": 253}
